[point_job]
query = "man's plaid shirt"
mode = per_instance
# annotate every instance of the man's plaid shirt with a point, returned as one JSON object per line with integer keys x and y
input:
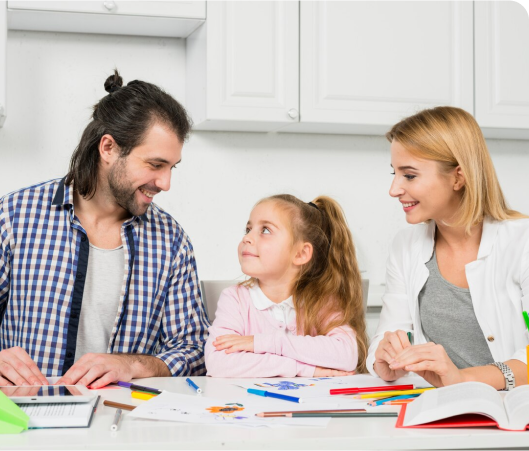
{"x": 43, "y": 261}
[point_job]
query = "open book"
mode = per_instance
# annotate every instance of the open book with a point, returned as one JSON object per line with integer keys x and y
{"x": 60, "y": 415}
{"x": 469, "y": 404}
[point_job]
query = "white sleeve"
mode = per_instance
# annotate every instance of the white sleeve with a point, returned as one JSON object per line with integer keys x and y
{"x": 395, "y": 312}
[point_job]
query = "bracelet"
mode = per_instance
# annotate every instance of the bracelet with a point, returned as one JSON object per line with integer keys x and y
{"x": 507, "y": 374}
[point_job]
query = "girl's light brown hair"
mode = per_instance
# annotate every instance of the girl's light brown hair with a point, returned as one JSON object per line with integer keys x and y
{"x": 452, "y": 137}
{"x": 328, "y": 291}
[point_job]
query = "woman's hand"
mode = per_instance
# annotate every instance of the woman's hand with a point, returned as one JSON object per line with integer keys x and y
{"x": 234, "y": 343}
{"x": 429, "y": 361}
{"x": 390, "y": 347}
{"x": 328, "y": 372}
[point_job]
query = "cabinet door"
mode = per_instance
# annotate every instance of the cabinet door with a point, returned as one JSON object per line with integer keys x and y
{"x": 502, "y": 68}
{"x": 190, "y": 9}
{"x": 242, "y": 67}
{"x": 366, "y": 65}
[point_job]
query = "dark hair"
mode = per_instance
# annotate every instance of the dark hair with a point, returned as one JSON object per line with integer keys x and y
{"x": 126, "y": 113}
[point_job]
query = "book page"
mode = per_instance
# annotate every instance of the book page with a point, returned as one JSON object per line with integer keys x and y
{"x": 446, "y": 402}
{"x": 517, "y": 406}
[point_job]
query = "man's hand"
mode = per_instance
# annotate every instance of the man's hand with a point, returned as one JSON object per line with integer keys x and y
{"x": 429, "y": 361}
{"x": 389, "y": 347}
{"x": 328, "y": 372}
{"x": 234, "y": 343}
{"x": 17, "y": 368}
{"x": 99, "y": 370}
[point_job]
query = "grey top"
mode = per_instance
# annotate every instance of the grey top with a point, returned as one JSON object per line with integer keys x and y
{"x": 102, "y": 290}
{"x": 448, "y": 318}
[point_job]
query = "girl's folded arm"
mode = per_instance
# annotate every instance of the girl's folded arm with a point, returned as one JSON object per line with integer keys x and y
{"x": 336, "y": 350}
{"x": 230, "y": 320}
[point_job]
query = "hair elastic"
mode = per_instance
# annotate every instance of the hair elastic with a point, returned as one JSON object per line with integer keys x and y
{"x": 313, "y": 205}
{"x": 113, "y": 89}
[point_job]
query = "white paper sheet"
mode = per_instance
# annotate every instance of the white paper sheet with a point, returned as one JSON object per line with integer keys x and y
{"x": 239, "y": 411}
{"x": 314, "y": 387}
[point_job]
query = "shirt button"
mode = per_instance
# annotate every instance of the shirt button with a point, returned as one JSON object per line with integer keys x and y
{"x": 83, "y": 238}
{"x": 69, "y": 354}
{"x": 490, "y": 338}
{"x": 75, "y": 316}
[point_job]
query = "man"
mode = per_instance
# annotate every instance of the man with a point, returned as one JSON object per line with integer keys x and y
{"x": 97, "y": 283}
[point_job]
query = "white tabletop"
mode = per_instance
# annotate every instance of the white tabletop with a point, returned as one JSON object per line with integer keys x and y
{"x": 349, "y": 433}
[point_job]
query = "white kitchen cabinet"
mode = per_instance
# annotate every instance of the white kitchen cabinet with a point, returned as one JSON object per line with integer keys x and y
{"x": 502, "y": 69}
{"x": 141, "y": 18}
{"x": 3, "y": 62}
{"x": 366, "y": 65}
{"x": 242, "y": 67}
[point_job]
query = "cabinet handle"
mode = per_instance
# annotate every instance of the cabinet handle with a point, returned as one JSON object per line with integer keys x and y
{"x": 293, "y": 113}
{"x": 110, "y": 5}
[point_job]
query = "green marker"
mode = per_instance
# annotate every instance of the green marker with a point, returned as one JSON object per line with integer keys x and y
{"x": 526, "y": 319}
{"x": 410, "y": 334}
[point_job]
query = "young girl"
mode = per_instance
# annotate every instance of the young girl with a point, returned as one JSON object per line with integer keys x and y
{"x": 301, "y": 311}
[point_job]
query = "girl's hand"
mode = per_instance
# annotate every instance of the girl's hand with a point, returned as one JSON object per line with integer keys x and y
{"x": 391, "y": 345}
{"x": 327, "y": 372}
{"x": 234, "y": 343}
{"x": 429, "y": 361}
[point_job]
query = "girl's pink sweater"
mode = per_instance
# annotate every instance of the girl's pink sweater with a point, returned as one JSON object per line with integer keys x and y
{"x": 276, "y": 352}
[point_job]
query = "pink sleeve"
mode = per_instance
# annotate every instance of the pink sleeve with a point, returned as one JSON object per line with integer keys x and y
{"x": 337, "y": 350}
{"x": 231, "y": 318}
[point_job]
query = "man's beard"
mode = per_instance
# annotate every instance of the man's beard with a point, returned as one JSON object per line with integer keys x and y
{"x": 123, "y": 191}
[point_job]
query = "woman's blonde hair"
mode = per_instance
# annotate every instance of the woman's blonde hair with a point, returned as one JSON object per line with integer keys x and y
{"x": 328, "y": 290}
{"x": 452, "y": 137}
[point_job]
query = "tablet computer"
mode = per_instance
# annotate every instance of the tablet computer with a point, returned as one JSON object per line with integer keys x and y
{"x": 48, "y": 394}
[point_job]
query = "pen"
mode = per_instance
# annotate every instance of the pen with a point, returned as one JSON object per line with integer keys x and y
{"x": 138, "y": 387}
{"x": 117, "y": 418}
{"x": 269, "y": 394}
{"x": 194, "y": 386}
{"x": 357, "y": 390}
{"x": 142, "y": 395}
{"x": 118, "y": 405}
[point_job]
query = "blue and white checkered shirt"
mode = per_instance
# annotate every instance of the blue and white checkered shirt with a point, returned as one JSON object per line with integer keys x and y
{"x": 43, "y": 261}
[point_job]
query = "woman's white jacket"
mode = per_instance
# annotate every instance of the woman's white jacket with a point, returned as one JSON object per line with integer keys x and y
{"x": 498, "y": 282}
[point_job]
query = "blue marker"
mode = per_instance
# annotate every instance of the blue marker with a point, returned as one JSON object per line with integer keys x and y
{"x": 270, "y": 394}
{"x": 194, "y": 386}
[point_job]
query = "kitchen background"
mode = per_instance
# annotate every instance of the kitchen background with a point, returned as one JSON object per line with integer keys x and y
{"x": 54, "y": 78}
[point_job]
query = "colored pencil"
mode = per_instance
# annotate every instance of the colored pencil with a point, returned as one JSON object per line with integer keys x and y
{"x": 358, "y": 390}
{"x": 284, "y": 413}
{"x": 398, "y": 403}
{"x": 118, "y": 405}
{"x": 379, "y": 402}
{"x": 336, "y": 415}
{"x": 393, "y": 393}
{"x": 138, "y": 387}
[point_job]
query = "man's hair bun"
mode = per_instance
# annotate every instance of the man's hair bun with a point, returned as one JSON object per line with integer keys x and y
{"x": 114, "y": 82}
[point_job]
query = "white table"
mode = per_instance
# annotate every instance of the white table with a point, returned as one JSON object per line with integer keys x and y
{"x": 341, "y": 433}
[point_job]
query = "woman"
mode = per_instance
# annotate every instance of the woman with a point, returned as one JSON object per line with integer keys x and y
{"x": 459, "y": 280}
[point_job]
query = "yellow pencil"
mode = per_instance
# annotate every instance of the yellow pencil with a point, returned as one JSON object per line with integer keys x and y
{"x": 384, "y": 394}
{"x": 142, "y": 395}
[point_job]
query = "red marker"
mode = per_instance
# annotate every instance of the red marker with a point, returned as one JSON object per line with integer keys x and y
{"x": 356, "y": 390}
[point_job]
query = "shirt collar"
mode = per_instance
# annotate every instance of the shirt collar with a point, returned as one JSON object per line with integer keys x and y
{"x": 261, "y": 301}
{"x": 64, "y": 196}
{"x": 488, "y": 237}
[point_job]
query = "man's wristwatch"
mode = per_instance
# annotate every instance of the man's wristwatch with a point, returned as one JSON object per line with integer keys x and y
{"x": 507, "y": 374}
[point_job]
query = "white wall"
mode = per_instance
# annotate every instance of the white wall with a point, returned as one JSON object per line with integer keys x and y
{"x": 54, "y": 79}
